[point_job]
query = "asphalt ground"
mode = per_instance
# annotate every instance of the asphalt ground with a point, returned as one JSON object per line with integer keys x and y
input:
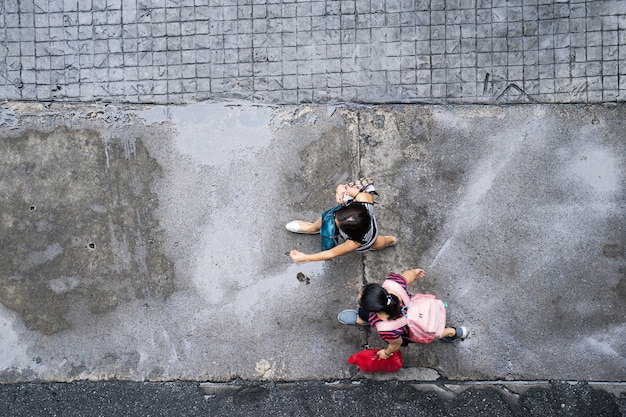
{"x": 353, "y": 398}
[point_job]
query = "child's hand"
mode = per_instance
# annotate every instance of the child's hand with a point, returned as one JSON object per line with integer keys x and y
{"x": 340, "y": 192}
{"x": 382, "y": 354}
{"x": 420, "y": 273}
{"x": 297, "y": 256}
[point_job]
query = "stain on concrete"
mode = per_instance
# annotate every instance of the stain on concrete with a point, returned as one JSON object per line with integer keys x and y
{"x": 328, "y": 158}
{"x": 613, "y": 250}
{"x": 77, "y": 226}
{"x": 620, "y": 288}
{"x": 303, "y": 278}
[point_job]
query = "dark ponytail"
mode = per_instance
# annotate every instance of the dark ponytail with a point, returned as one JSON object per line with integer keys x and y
{"x": 375, "y": 299}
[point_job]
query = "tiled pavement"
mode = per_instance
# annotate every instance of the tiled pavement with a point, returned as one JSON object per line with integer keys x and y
{"x": 289, "y": 51}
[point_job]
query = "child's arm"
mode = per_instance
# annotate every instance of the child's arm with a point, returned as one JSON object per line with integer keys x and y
{"x": 358, "y": 195}
{"x": 341, "y": 249}
{"x": 412, "y": 274}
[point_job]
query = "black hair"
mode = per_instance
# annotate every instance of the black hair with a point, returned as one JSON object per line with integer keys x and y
{"x": 354, "y": 220}
{"x": 374, "y": 298}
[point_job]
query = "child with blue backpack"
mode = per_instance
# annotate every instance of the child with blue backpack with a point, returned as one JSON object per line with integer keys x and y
{"x": 353, "y": 219}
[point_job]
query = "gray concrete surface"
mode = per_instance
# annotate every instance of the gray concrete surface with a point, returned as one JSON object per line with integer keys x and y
{"x": 148, "y": 243}
{"x": 295, "y": 52}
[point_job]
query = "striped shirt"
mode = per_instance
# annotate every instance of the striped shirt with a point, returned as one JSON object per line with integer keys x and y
{"x": 374, "y": 319}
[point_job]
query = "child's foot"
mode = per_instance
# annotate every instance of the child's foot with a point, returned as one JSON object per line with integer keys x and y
{"x": 349, "y": 317}
{"x": 298, "y": 226}
{"x": 461, "y": 333}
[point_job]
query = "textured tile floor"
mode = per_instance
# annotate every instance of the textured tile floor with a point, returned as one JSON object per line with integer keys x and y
{"x": 288, "y": 52}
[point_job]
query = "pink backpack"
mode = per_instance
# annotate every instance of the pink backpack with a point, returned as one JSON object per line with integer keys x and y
{"x": 423, "y": 313}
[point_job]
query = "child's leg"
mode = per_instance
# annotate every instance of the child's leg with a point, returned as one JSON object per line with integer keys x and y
{"x": 452, "y": 334}
{"x": 383, "y": 242}
{"x": 448, "y": 332}
{"x": 363, "y": 316}
{"x": 306, "y": 227}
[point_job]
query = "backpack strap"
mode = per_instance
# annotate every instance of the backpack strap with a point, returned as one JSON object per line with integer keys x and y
{"x": 397, "y": 288}
{"x": 387, "y": 325}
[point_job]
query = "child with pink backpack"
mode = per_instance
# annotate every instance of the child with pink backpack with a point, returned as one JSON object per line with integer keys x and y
{"x": 399, "y": 317}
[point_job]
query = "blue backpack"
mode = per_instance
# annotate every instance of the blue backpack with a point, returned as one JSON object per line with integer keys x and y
{"x": 329, "y": 231}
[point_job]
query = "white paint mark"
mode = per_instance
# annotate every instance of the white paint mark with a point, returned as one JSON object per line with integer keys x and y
{"x": 598, "y": 169}
{"x": 98, "y": 208}
{"x": 212, "y": 133}
{"x": 604, "y": 348}
{"x": 263, "y": 369}
{"x": 12, "y": 350}
{"x": 36, "y": 258}
{"x": 442, "y": 250}
{"x": 63, "y": 284}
